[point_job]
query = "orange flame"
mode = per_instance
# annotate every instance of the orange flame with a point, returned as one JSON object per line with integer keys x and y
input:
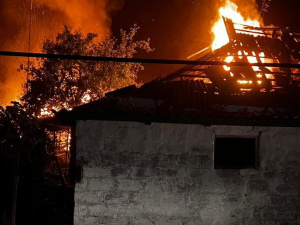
{"x": 242, "y": 24}
{"x": 230, "y": 11}
{"x": 48, "y": 18}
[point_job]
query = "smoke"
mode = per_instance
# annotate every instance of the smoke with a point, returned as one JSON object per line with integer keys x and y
{"x": 249, "y": 9}
{"x": 89, "y": 15}
{"x": 48, "y": 18}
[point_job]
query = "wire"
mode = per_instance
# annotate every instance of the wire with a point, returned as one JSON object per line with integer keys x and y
{"x": 147, "y": 61}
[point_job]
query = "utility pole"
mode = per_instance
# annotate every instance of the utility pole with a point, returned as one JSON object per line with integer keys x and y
{"x": 29, "y": 39}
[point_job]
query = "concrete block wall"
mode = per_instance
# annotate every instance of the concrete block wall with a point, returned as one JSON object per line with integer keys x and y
{"x": 162, "y": 174}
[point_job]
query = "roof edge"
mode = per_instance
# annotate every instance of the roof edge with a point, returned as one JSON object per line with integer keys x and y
{"x": 70, "y": 118}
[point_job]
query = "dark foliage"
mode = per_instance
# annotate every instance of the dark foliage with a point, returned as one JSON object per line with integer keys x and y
{"x": 57, "y": 84}
{"x": 21, "y": 136}
{"x": 21, "y": 131}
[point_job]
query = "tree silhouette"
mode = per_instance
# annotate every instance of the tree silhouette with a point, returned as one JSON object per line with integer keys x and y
{"x": 57, "y": 84}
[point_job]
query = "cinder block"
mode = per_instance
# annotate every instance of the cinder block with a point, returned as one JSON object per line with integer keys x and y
{"x": 142, "y": 222}
{"x": 287, "y": 189}
{"x": 162, "y": 174}
{"x": 258, "y": 185}
{"x": 96, "y": 172}
{"x": 96, "y": 184}
{"x": 81, "y": 210}
{"x": 169, "y": 222}
{"x": 99, "y": 211}
{"x": 78, "y": 220}
{"x": 91, "y": 220}
{"x": 130, "y": 185}
{"x": 278, "y": 201}
{"x": 86, "y": 197}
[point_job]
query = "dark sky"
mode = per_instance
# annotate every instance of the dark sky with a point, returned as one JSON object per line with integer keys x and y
{"x": 284, "y": 13}
{"x": 179, "y": 28}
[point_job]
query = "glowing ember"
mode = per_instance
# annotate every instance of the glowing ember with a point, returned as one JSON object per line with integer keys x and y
{"x": 48, "y": 111}
{"x": 228, "y": 60}
{"x": 245, "y": 81}
{"x": 230, "y": 11}
{"x": 231, "y": 22}
{"x": 87, "y": 97}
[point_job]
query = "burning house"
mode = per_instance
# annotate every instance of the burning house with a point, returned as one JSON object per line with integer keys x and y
{"x": 203, "y": 145}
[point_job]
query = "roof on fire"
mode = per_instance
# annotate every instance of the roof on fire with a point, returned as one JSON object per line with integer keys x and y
{"x": 214, "y": 94}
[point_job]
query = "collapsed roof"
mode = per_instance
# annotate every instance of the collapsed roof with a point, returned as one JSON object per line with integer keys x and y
{"x": 269, "y": 96}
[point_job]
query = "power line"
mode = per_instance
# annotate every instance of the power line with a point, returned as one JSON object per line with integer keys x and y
{"x": 147, "y": 61}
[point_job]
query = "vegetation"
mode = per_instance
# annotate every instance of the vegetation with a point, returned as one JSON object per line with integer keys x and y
{"x": 57, "y": 84}
{"x": 22, "y": 144}
{"x": 22, "y": 133}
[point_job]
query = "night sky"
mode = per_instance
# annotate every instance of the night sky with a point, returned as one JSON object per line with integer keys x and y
{"x": 177, "y": 28}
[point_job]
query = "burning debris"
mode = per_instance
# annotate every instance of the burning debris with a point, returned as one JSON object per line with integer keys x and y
{"x": 230, "y": 11}
{"x": 244, "y": 40}
{"x": 223, "y": 91}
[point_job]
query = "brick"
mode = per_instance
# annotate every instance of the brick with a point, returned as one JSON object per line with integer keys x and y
{"x": 130, "y": 185}
{"x": 287, "y": 189}
{"x": 268, "y": 213}
{"x": 86, "y": 197}
{"x": 91, "y": 220}
{"x": 118, "y": 171}
{"x": 169, "y": 222}
{"x": 78, "y": 220}
{"x": 270, "y": 223}
{"x": 115, "y": 197}
{"x": 278, "y": 201}
{"x": 99, "y": 210}
{"x": 259, "y": 185}
{"x": 142, "y": 222}
{"x": 82, "y": 186}
{"x": 126, "y": 210}
{"x": 81, "y": 210}
{"x": 100, "y": 184}
{"x": 96, "y": 172}
{"x": 287, "y": 214}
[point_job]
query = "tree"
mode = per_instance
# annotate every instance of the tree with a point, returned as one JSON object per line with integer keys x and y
{"x": 21, "y": 137}
{"x": 57, "y": 84}
{"x": 21, "y": 132}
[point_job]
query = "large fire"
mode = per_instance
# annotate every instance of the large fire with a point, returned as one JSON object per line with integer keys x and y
{"x": 241, "y": 24}
{"x": 230, "y": 11}
{"x": 48, "y": 18}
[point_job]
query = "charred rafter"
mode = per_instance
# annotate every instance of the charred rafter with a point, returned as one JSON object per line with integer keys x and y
{"x": 260, "y": 45}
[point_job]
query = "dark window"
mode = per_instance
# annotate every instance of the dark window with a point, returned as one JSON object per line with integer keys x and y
{"x": 235, "y": 152}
